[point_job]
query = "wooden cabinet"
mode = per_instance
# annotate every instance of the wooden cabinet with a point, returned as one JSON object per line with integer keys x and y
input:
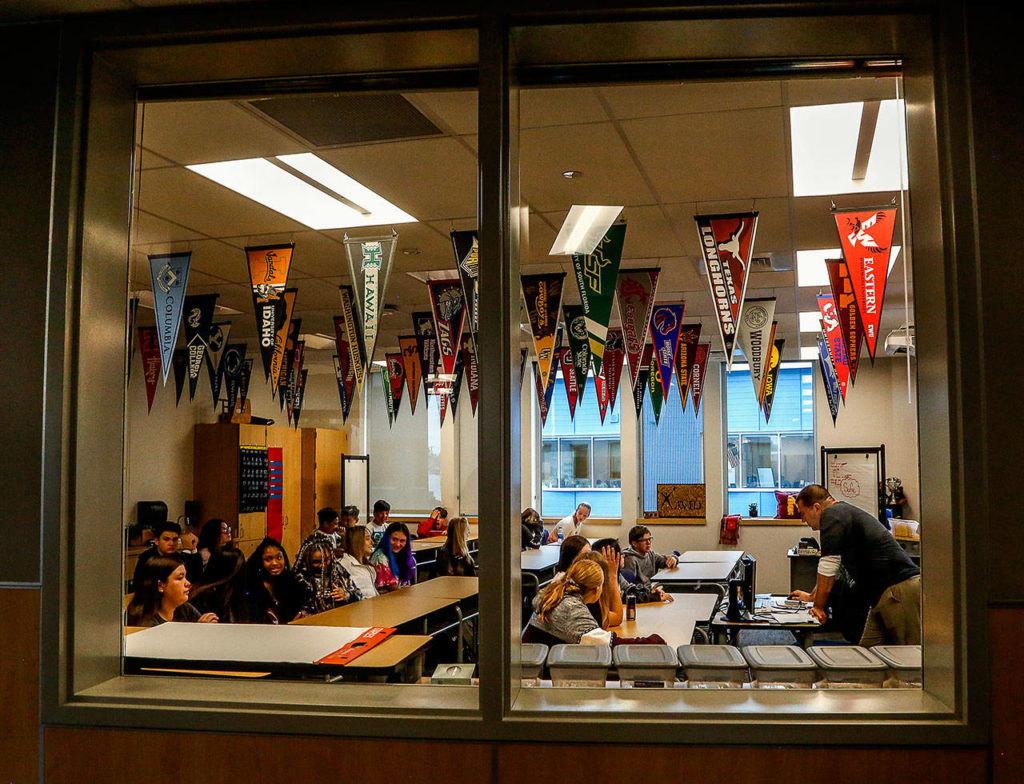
{"x": 321, "y": 473}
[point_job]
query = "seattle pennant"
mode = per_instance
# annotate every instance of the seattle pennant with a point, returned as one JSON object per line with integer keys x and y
{"x": 727, "y": 243}
{"x": 396, "y": 380}
{"x": 635, "y": 291}
{"x": 755, "y": 338}
{"x": 572, "y": 392}
{"x": 233, "y": 360}
{"x": 353, "y": 333}
{"x": 280, "y": 338}
{"x": 169, "y": 274}
{"x": 772, "y": 379}
{"x": 666, "y": 321}
{"x": 268, "y": 275}
{"x": 426, "y": 342}
{"x": 657, "y": 388}
{"x": 828, "y": 377}
{"x": 689, "y": 337}
{"x": 865, "y": 236}
{"x": 449, "y": 318}
{"x": 198, "y": 317}
{"x": 219, "y": 332}
{"x": 180, "y": 361}
{"x": 846, "y": 306}
{"x": 834, "y": 339}
{"x": 642, "y": 380}
{"x": 472, "y": 370}
{"x": 579, "y": 345}
{"x": 595, "y": 277}
{"x": 369, "y": 263}
{"x": 149, "y": 348}
{"x": 243, "y": 382}
{"x": 300, "y": 395}
{"x": 411, "y": 364}
{"x": 543, "y": 297}
{"x": 607, "y": 381}
{"x": 698, "y": 370}
{"x": 467, "y": 246}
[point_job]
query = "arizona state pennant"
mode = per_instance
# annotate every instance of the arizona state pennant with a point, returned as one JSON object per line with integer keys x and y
{"x": 149, "y": 348}
{"x": 642, "y": 380}
{"x": 198, "y": 310}
{"x": 846, "y": 308}
{"x": 280, "y": 337}
{"x": 834, "y": 339}
{"x": 426, "y": 342}
{"x": 595, "y": 277}
{"x": 689, "y": 337}
{"x": 169, "y": 275}
{"x": 665, "y": 323}
{"x": 865, "y": 236}
{"x": 635, "y": 291}
{"x": 771, "y": 378}
{"x": 411, "y": 365}
{"x": 607, "y": 381}
{"x": 572, "y": 390}
{"x": 579, "y": 345}
{"x": 543, "y": 297}
{"x": 180, "y": 361}
{"x": 754, "y": 337}
{"x": 268, "y": 275}
{"x": 727, "y": 242}
{"x": 353, "y": 333}
{"x": 472, "y": 371}
{"x": 219, "y": 332}
{"x": 466, "y": 247}
{"x": 396, "y": 380}
{"x": 828, "y": 377}
{"x": 697, "y": 372}
{"x": 449, "y": 318}
{"x": 369, "y": 264}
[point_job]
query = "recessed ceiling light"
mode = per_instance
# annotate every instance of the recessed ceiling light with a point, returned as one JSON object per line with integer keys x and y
{"x": 572, "y": 174}
{"x": 411, "y": 251}
{"x": 583, "y": 228}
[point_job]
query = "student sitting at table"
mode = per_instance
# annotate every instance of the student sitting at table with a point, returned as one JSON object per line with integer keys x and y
{"x": 393, "y": 559}
{"x": 435, "y": 525}
{"x": 453, "y": 558}
{"x": 560, "y": 610}
{"x": 381, "y": 512}
{"x": 328, "y": 581}
{"x": 213, "y": 538}
{"x": 533, "y": 533}
{"x": 358, "y": 546}
{"x": 165, "y": 543}
{"x": 571, "y": 547}
{"x": 607, "y": 610}
{"x": 640, "y": 559}
{"x": 161, "y": 595}
{"x": 223, "y": 592}
{"x": 643, "y": 593}
{"x": 274, "y": 593}
{"x": 327, "y": 520}
{"x": 349, "y": 516}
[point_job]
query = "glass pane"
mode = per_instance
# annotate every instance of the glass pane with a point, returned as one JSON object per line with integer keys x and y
{"x": 575, "y": 463}
{"x": 673, "y": 446}
{"x": 549, "y": 463}
{"x": 759, "y": 459}
{"x": 607, "y": 463}
{"x": 797, "y": 460}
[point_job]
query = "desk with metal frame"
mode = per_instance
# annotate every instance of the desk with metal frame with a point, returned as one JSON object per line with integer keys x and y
{"x": 725, "y": 631}
{"x": 697, "y": 576}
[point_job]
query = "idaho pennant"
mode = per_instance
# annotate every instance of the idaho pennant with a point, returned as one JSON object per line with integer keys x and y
{"x": 595, "y": 277}
{"x": 579, "y": 345}
{"x": 697, "y": 372}
{"x": 689, "y": 337}
{"x": 657, "y": 388}
{"x": 280, "y": 338}
{"x": 755, "y": 338}
{"x": 572, "y": 390}
{"x": 426, "y": 342}
{"x": 396, "y": 380}
{"x": 772, "y": 379}
{"x": 467, "y": 247}
{"x": 411, "y": 365}
{"x": 369, "y": 263}
{"x": 666, "y": 321}
{"x": 219, "y": 332}
{"x": 635, "y": 291}
{"x": 727, "y": 242}
{"x": 169, "y": 274}
{"x": 180, "y": 360}
{"x": 607, "y": 381}
{"x": 865, "y": 236}
{"x": 149, "y": 348}
{"x": 198, "y": 310}
{"x": 846, "y": 307}
{"x": 642, "y": 381}
{"x": 268, "y": 275}
{"x": 353, "y": 333}
{"x": 472, "y": 370}
{"x": 834, "y": 339}
{"x": 543, "y": 297}
{"x": 828, "y": 377}
{"x": 449, "y": 318}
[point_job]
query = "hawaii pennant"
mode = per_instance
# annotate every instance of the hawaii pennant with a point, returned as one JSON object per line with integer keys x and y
{"x": 233, "y": 360}
{"x": 595, "y": 277}
{"x": 689, "y": 337}
{"x": 198, "y": 317}
{"x": 280, "y": 338}
{"x": 572, "y": 390}
{"x": 755, "y": 338}
{"x": 635, "y": 292}
{"x": 353, "y": 333}
{"x": 411, "y": 365}
{"x": 846, "y": 307}
{"x": 607, "y": 381}
{"x": 449, "y": 318}
{"x": 472, "y": 370}
{"x": 657, "y": 388}
{"x": 865, "y": 236}
{"x": 268, "y": 275}
{"x": 169, "y": 274}
{"x": 666, "y": 321}
{"x": 466, "y": 247}
{"x": 543, "y": 297}
{"x": 149, "y": 348}
{"x": 828, "y": 377}
{"x": 369, "y": 264}
{"x": 426, "y": 342}
{"x": 219, "y": 332}
{"x": 697, "y": 372}
{"x": 771, "y": 379}
{"x": 579, "y": 345}
{"x": 834, "y": 338}
{"x": 727, "y": 243}
{"x": 180, "y": 362}
{"x": 396, "y": 380}
{"x": 642, "y": 380}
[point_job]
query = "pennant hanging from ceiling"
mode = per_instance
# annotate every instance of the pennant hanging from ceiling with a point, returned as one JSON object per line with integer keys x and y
{"x": 542, "y": 399}
{"x": 339, "y": 377}
{"x": 243, "y": 382}
{"x": 449, "y": 318}
{"x": 456, "y": 385}
{"x": 149, "y": 348}
{"x": 727, "y": 243}
{"x": 396, "y": 380}
{"x": 595, "y": 277}
{"x": 280, "y": 338}
{"x": 543, "y": 297}
{"x": 466, "y": 247}
{"x": 606, "y": 383}
{"x": 288, "y": 365}
{"x": 472, "y": 370}
{"x": 233, "y": 360}
{"x": 846, "y": 307}
{"x": 698, "y": 370}
{"x": 828, "y": 377}
{"x": 180, "y": 361}
{"x": 426, "y": 343}
{"x": 443, "y": 391}
{"x": 294, "y": 379}
{"x": 411, "y": 365}
{"x": 666, "y": 321}
{"x": 754, "y": 338}
{"x": 198, "y": 316}
{"x": 635, "y": 292}
{"x": 300, "y": 395}
{"x": 572, "y": 391}
{"x": 343, "y": 368}
{"x": 865, "y": 236}
{"x": 268, "y": 275}
{"x": 353, "y": 333}
{"x": 834, "y": 338}
{"x": 389, "y": 402}
{"x": 764, "y": 377}
{"x": 547, "y": 391}
{"x": 369, "y": 263}
{"x": 219, "y": 332}
{"x": 657, "y": 389}
{"x": 579, "y": 345}
{"x": 523, "y": 353}
{"x": 133, "y": 313}
{"x": 689, "y": 337}
{"x": 169, "y": 274}
{"x": 642, "y": 380}
{"x": 771, "y": 379}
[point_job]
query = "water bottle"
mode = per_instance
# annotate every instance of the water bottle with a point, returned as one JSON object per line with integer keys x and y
{"x": 631, "y": 608}
{"x": 561, "y": 536}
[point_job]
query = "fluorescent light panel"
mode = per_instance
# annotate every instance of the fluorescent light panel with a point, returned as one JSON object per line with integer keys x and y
{"x": 810, "y": 321}
{"x": 583, "y": 228}
{"x": 809, "y": 352}
{"x": 811, "y": 270}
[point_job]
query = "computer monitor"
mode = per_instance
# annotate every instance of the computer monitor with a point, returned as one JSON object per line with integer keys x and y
{"x": 749, "y": 581}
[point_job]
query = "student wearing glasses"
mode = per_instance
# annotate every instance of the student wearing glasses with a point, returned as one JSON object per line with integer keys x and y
{"x": 641, "y": 559}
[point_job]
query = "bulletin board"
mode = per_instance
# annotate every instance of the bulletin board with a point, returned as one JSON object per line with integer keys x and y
{"x": 854, "y": 475}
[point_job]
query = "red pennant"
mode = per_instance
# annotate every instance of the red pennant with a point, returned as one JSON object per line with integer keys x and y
{"x": 607, "y": 381}
{"x": 449, "y": 309}
{"x": 396, "y": 379}
{"x": 635, "y": 291}
{"x": 834, "y": 338}
{"x": 572, "y": 390}
{"x": 846, "y": 305}
{"x": 411, "y": 360}
{"x": 149, "y": 346}
{"x": 866, "y": 239}
{"x": 697, "y": 371}
{"x": 689, "y": 337}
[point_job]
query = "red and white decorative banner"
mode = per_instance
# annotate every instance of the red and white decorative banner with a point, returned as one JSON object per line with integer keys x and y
{"x": 666, "y": 321}
{"x": 149, "y": 349}
{"x": 635, "y": 291}
{"x": 449, "y": 310}
{"x": 727, "y": 243}
{"x": 689, "y": 337}
{"x": 834, "y": 339}
{"x": 865, "y": 236}
{"x": 697, "y": 372}
{"x": 755, "y": 338}
{"x": 846, "y": 307}
{"x": 607, "y": 381}
{"x": 572, "y": 390}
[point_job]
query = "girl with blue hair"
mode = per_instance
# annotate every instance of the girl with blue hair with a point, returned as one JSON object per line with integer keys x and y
{"x": 393, "y": 559}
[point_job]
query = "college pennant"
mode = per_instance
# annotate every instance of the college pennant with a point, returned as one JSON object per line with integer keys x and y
{"x": 396, "y": 380}
{"x": 595, "y": 277}
{"x": 635, "y": 291}
{"x": 543, "y": 297}
{"x": 865, "y": 236}
{"x": 466, "y": 246}
{"x": 657, "y": 388}
{"x": 579, "y": 344}
{"x": 771, "y": 379}
{"x": 755, "y": 338}
{"x": 572, "y": 390}
{"x": 846, "y": 307}
{"x": 280, "y": 338}
{"x": 288, "y": 365}
{"x": 828, "y": 377}
{"x": 443, "y": 392}
{"x": 339, "y": 378}
{"x": 764, "y": 377}
{"x": 300, "y": 395}
{"x": 219, "y": 332}
{"x": 727, "y": 242}
{"x": 523, "y": 353}
{"x": 426, "y": 343}
{"x": 133, "y": 313}
{"x": 834, "y": 338}
{"x": 642, "y": 380}
{"x": 697, "y": 372}
{"x": 666, "y": 321}
{"x": 180, "y": 361}
{"x": 198, "y": 316}
{"x": 449, "y": 311}
{"x": 689, "y": 337}
{"x": 294, "y": 379}
{"x": 353, "y": 333}
{"x": 233, "y": 360}
{"x": 169, "y": 275}
{"x": 268, "y": 275}
{"x": 149, "y": 348}
{"x": 243, "y": 382}
{"x": 472, "y": 370}
{"x": 607, "y": 381}
{"x": 456, "y": 387}
{"x": 369, "y": 263}
{"x": 411, "y": 365}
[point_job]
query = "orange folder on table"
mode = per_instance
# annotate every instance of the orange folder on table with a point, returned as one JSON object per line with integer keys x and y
{"x": 375, "y": 635}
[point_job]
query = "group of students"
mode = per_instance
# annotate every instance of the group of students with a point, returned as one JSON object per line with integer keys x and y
{"x": 339, "y": 563}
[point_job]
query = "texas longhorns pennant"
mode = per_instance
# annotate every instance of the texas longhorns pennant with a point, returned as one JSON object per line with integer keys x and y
{"x": 396, "y": 379}
{"x": 727, "y": 243}
{"x": 426, "y": 342}
{"x": 607, "y": 381}
{"x": 698, "y": 370}
{"x": 449, "y": 318}
{"x": 413, "y": 371}
{"x": 572, "y": 390}
{"x": 280, "y": 337}
{"x": 268, "y": 275}
{"x": 846, "y": 307}
{"x": 771, "y": 379}
{"x": 149, "y": 349}
{"x": 353, "y": 333}
{"x": 755, "y": 338}
{"x": 689, "y": 337}
{"x": 219, "y": 332}
{"x": 865, "y": 236}
{"x": 642, "y": 380}
{"x": 828, "y": 377}
{"x": 834, "y": 339}
{"x": 579, "y": 345}
{"x": 666, "y": 321}
{"x": 543, "y": 297}
{"x": 472, "y": 370}
{"x": 467, "y": 246}
{"x": 169, "y": 275}
{"x": 595, "y": 277}
{"x": 369, "y": 264}
{"x": 635, "y": 291}
{"x": 198, "y": 318}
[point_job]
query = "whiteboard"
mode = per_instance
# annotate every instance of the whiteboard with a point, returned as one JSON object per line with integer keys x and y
{"x": 854, "y": 477}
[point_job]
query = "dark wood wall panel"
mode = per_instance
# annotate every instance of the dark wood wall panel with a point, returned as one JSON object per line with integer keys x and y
{"x": 1007, "y": 634}
{"x": 19, "y": 685}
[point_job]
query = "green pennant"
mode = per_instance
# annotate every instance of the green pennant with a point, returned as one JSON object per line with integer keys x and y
{"x": 655, "y": 388}
{"x": 595, "y": 277}
{"x": 576, "y": 329}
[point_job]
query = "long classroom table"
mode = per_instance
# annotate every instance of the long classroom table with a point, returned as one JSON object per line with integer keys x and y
{"x": 695, "y": 575}
{"x": 673, "y": 621}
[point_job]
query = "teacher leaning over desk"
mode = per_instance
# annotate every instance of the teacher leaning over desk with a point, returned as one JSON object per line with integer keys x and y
{"x": 880, "y": 569}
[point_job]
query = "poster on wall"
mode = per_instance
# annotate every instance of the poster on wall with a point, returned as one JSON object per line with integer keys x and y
{"x": 219, "y": 332}
{"x": 280, "y": 338}
{"x": 149, "y": 349}
{"x": 855, "y": 476}
{"x": 698, "y": 370}
{"x": 755, "y": 338}
{"x": 353, "y": 333}
{"x": 686, "y": 501}
{"x": 169, "y": 275}
{"x": 467, "y": 248}
{"x": 689, "y": 337}
{"x": 369, "y": 265}
{"x": 595, "y": 275}
{"x": 268, "y": 276}
{"x": 828, "y": 378}
{"x": 543, "y": 297}
{"x": 253, "y": 478}
{"x": 198, "y": 319}
{"x": 579, "y": 345}
{"x": 635, "y": 290}
{"x": 846, "y": 308}
{"x": 772, "y": 379}
{"x": 409, "y": 346}
{"x": 834, "y": 338}
{"x": 666, "y": 321}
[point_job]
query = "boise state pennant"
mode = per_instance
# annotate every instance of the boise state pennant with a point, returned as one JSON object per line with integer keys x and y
{"x": 666, "y": 321}
{"x": 169, "y": 274}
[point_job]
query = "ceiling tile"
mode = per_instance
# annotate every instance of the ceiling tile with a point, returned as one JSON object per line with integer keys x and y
{"x": 659, "y": 100}
{"x": 453, "y": 112}
{"x": 148, "y": 229}
{"x": 544, "y": 107}
{"x": 812, "y": 92}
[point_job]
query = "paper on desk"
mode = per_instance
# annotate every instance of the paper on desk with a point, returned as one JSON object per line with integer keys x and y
{"x": 791, "y": 616}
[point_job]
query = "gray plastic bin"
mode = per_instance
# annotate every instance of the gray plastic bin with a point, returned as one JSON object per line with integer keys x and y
{"x": 780, "y": 666}
{"x": 579, "y": 665}
{"x": 904, "y": 662}
{"x": 713, "y": 666}
{"x": 645, "y": 665}
{"x": 531, "y": 661}
{"x": 849, "y": 666}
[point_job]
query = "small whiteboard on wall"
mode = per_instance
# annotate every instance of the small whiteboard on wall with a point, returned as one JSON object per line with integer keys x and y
{"x": 855, "y": 475}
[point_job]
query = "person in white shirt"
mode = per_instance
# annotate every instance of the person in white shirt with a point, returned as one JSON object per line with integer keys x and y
{"x": 358, "y": 546}
{"x": 381, "y": 511}
{"x": 571, "y": 525}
